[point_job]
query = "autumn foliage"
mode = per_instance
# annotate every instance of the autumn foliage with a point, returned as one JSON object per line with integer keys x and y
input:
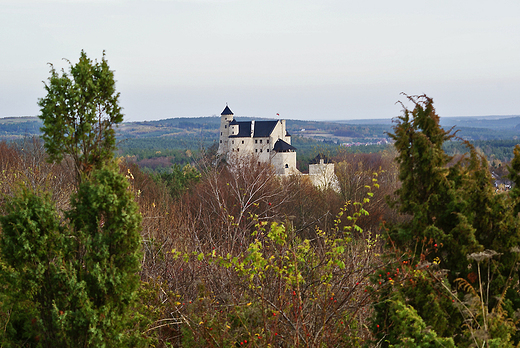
{"x": 414, "y": 248}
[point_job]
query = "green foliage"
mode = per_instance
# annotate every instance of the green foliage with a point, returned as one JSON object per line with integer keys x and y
{"x": 72, "y": 285}
{"x": 79, "y": 112}
{"x": 71, "y": 280}
{"x": 453, "y": 212}
{"x": 514, "y": 175}
{"x": 413, "y": 329}
{"x": 419, "y": 139}
{"x": 429, "y": 187}
{"x": 179, "y": 179}
{"x": 32, "y": 276}
{"x": 107, "y": 243}
{"x": 419, "y": 285}
{"x": 289, "y": 291}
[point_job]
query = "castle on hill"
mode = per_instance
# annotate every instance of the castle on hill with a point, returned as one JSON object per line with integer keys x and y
{"x": 270, "y": 143}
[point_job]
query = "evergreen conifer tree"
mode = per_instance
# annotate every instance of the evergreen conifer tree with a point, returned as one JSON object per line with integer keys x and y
{"x": 79, "y": 114}
{"x": 31, "y": 269}
{"x": 72, "y": 281}
{"x": 454, "y": 213}
{"x": 72, "y": 285}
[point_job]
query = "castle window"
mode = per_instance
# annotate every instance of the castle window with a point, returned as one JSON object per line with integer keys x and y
{"x": 221, "y": 141}
{"x": 260, "y": 141}
{"x": 256, "y": 150}
{"x": 220, "y": 133}
{"x": 232, "y": 141}
{"x": 267, "y": 150}
{"x": 242, "y": 141}
{"x": 268, "y": 141}
{"x": 286, "y": 165}
{"x": 256, "y": 141}
{"x": 225, "y": 126}
{"x": 238, "y": 149}
{"x": 260, "y": 150}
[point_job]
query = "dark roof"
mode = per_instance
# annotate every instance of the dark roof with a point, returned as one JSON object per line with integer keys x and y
{"x": 262, "y": 128}
{"x": 319, "y": 157}
{"x": 244, "y": 129}
{"x": 282, "y": 146}
{"x": 227, "y": 111}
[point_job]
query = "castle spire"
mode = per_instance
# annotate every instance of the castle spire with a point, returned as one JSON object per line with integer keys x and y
{"x": 227, "y": 111}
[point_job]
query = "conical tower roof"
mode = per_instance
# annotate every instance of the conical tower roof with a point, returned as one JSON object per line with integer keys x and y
{"x": 226, "y": 111}
{"x": 282, "y": 146}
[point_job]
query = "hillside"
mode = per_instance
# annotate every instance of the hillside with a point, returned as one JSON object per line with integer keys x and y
{"x": 205, "y": 128}
{"x": 161, "y": 143}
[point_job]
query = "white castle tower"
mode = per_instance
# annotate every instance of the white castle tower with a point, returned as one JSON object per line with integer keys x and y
{"x": 226, "y": 117}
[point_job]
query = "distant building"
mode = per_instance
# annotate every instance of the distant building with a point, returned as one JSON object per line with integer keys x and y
{"x": 321, "y": 173}
{"x": 267, "y": 140}
{"x": 270, "y": 143}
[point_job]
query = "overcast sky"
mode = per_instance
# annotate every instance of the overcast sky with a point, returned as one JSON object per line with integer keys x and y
{"x": 303, "y": 59}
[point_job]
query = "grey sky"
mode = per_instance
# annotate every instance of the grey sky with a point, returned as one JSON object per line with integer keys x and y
{"x": 319, "y": 59}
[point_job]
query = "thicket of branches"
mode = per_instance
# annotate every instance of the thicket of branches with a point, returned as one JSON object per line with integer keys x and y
{"x": 225, "y": 211}
{"x": 226, "y": 214}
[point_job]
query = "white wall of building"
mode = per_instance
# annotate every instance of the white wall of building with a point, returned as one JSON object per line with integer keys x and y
{"x": 322, "y": 175}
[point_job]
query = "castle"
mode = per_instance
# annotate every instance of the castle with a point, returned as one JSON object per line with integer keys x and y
{"x": 267, "y": 140}
{"x": 270, "y": 142}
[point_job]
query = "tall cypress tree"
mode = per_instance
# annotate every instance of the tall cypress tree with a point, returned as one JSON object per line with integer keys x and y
{"x": 430, "y": 187}
{"x": 453, "y": 213}
{"x": 79, "y": 114}
{"x": 72, "y": 281}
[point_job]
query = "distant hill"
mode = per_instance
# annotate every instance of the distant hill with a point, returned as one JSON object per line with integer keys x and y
{"x": 205, "y": 129}
{"x": 162, "y": 143}
{"x": 490, "y": 122}
{"x": 17, "y": 127}
{"x": 469, "y": 127}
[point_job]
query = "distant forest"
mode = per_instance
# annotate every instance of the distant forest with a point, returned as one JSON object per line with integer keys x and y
{"x": 159, "y": 145}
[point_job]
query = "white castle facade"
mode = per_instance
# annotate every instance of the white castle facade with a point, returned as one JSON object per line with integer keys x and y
{"x": 267, "y": 140}
{"x": 270, "y": 143}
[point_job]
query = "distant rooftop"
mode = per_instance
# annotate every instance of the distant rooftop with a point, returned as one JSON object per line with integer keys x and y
{"x": 262, "y": 128}
{"x": 282, "y": 146}
{"x": 227, "y": 111}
